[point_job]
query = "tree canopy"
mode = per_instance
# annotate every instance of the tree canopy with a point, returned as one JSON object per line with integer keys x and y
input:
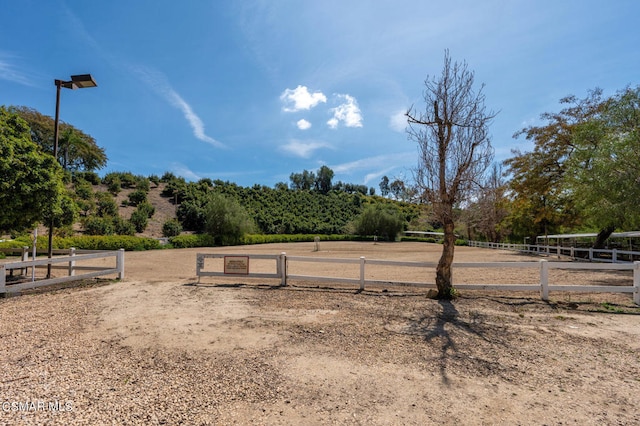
{"x": 583, "y": 169}
{"x": 31, "y": 187}
{"x": 77, "y": 150}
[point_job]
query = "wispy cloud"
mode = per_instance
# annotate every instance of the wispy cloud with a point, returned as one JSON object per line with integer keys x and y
{"x": 374, "y": 176}
{"x": 303, "y": 124}
{"x": 303, "y": 149}
{"x": 9, "y": 72}
{"x": 182, "y": 170}
{"x": 380, "y": 162}
{"x": 300, "y": 98}
{"x": 398, "y": 121}
{"x": 159, "y": 83}
{"x": 347, "y": 112}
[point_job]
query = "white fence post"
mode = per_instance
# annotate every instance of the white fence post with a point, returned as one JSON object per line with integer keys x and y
{"x": 362, "y": 262}
{"x": 590, "y": 254}
{"x": 25, "y": 257}
{"x": 614, "y": 256}
{"x": 636, "y": 282}
{"x": 3, "y": 277}
{"x": 120, "y": 264}
{"x": 544, "y": 279}
{"x": 72, "y": 263}
{"x": 283, "y": 269}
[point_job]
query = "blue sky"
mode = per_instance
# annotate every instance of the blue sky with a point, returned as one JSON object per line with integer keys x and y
{"x": 251, "y": 91}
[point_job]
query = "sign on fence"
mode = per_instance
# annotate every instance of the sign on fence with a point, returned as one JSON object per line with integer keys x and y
{"x": 236, "y": 265}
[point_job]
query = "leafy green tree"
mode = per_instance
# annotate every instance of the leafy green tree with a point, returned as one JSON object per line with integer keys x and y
{"x": 77, "y": 150}
{"x": 136, "y": 197}
{"x": 147, "y": 209}
{"x": 581, "y": 171}
{"x": 455, "y": 151}
{"x": 323, "y": 180}
{"x": 540, "y": 202}
{"x": 384, "y": 186}
{"x": 95, "y": 225}
{"x": 171, "y": 228}
{"x": 140, "y": 220}
{"x": 31, "y": 187}
{"x": 602, "y": 171}
{"x": 381, "y": 220}
{"x": 303, "y": 181}
{"x": 122, "y": 226}
{"x": 106, "y": 205}
{"x": 226, "y": 220}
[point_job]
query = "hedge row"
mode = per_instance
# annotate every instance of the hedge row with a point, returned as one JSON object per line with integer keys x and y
{"x": 89, "y": 242}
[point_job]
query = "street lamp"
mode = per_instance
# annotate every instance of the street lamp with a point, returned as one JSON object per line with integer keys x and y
{"x": 80, "y": 81}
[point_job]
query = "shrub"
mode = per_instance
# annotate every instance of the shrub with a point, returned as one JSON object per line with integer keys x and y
{"x": 122, "y": 226}
{"x": 171, "y": 228}
{"x": 129, "y": 243}
{"x": 142, "y": 184}
{"x": 380, "y": 220}
{"x": 136, "y": 197}
{"x": 114, "y": 185}
{"x": 139, "y": 219}
{"x": 98, "y": 225}
{"x": 106, "y": 205}
{"x": 146, "y": 209}
{"x": 226, "y": 220}
{"x": 192, "y": 240}
{"x": 83, "y": 189}
{"x": 91, "y": 177}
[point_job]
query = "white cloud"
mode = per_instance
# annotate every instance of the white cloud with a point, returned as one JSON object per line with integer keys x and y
{"x": 375, "y": 176}
{"x": 303, "y": 149}
{"x": 185, "y": 172}
{"x": 160, "y": 85}
{"x": 348, "y": 112}
{"x": 398, "y": 121}
{"x": 303, "y": 124}
{"x": 301, "y": 99}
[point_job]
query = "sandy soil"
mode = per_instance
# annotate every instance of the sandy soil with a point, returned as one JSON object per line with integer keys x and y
{"x": 160, "y": 348}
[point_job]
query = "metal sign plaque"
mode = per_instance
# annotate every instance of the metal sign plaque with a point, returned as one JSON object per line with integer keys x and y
{"x": 236, "y": 265}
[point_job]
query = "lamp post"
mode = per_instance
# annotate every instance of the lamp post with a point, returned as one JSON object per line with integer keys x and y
{"x": 80, "y": 81}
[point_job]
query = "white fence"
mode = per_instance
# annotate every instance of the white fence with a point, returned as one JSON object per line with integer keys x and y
{"x": 70, "y": 265}
{"x": 578, "y": 253}
{"x": 282, "y": 262}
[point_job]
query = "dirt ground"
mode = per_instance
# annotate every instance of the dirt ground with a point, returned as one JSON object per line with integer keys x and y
{"x": 162, "y": 348}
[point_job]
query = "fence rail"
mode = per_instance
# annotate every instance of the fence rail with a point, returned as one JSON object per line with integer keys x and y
{"x": 576, "y": 253}
{"x": 70, "y": 261}
{"x": 283, "y": 261}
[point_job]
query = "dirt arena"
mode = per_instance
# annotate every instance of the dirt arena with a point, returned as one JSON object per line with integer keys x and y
{"x": 161, "y": 348}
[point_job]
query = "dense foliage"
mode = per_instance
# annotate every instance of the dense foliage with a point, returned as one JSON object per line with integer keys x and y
{"x": 31, "y": 188}
{"x": 77, "y": 150}
{"x": 582, "y": 172}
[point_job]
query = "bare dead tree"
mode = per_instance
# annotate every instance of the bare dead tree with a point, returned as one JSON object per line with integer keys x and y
{"x": 455, "y": 150}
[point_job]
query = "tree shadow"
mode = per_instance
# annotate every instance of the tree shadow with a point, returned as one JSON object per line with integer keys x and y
{"x": 443, "y": 329}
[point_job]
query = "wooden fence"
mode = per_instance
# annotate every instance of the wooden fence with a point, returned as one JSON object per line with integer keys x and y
{"x": 282, "y": 262}
{"x": 70, "y": 264}
{"x": 576, "y": 253}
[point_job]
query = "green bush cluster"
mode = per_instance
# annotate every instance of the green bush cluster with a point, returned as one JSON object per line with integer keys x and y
{"x": 88, "y": 242}
{"x": 171, "y": 228}
{"x": 192, "y": 240}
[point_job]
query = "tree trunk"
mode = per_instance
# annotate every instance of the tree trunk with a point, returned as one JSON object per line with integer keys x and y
{"x": 602, "y": 237}
{"x": 443, "y": 271}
